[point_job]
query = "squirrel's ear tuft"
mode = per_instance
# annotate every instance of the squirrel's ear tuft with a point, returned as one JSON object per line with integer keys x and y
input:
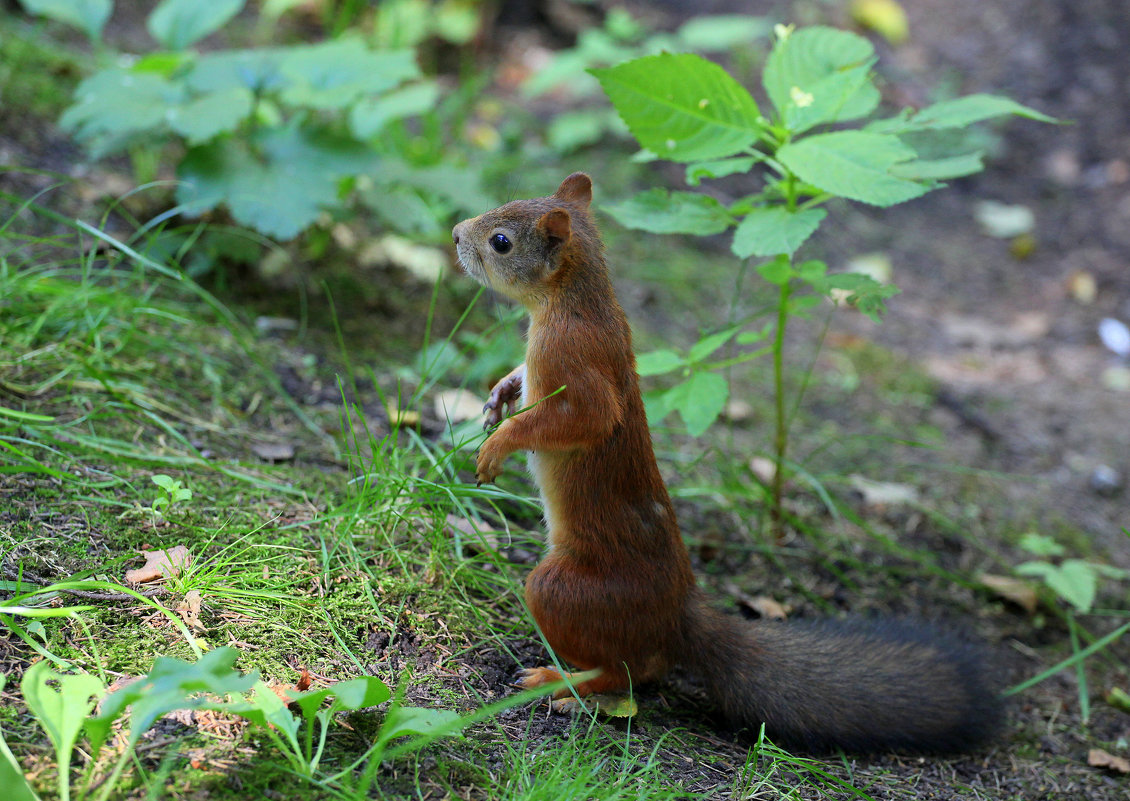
{"x": 556, "y": 226}
{"x": 577, "y": 188}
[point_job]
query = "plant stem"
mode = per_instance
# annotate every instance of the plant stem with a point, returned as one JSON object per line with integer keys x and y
{"x": 781, "y": 440}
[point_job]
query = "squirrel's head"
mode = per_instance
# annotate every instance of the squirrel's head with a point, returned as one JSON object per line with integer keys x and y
{"x": 516, "y": 248}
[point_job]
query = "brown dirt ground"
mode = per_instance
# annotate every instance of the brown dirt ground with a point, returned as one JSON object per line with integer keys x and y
{"x": 1017, "y": 358}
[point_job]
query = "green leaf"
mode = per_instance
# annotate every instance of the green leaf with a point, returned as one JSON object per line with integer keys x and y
{"x": 169, "y": 685}
{"x": 206, "y": 117}
{"x": 336, "y": 73}
{"x": 368, "y": 116}
{"x": 1041, "y": 545}
{"x": 115, "y": 105}
{"x": 575, "y": 129}
{"x": 402, "y": 209}
{"x": 722, "y": 31}
{"x": 364, "y": 691}
{"x": 778, "y": 271}
{"x": 773, "y": 230}
{"x": 865, "y": 293}
{"x": 60, "y": 702}
{"x": 258, "y": 70}
{"x": 178, "y": 23}
{"x": 278, "y": 182}
{"x": 405, "y": 720}
{"x": 708, "y": 344}
{"x": 88, "y": 16}
{"x": 819, "y": 75}
{"x": 719, "y": 168}
{"x": 663, "y": 212}
{"x": 939, "y": 169}
{"x": 958, "y": 113}
{"x": 1075, "y": 580}
{"x": 265, "y": 709}
{"x": 682, "y": 107}
{"x": 658, "y": 362}
{"x": 703, "y": 398}
{"x": 853, "y": 164}
{"x": 11, "y": 777}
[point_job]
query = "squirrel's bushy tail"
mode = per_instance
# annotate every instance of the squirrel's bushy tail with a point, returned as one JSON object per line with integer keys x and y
{"x": 857, "y": 685}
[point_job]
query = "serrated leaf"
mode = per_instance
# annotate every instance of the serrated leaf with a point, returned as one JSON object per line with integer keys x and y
{"x": 178, "y": 23}
{"x": 1074, "y": 580}
{"x": 663, "y": 212}
{"x": 769, "y": 231}
{"x": 205, "y": 117}
{"x": 853, "y": 164}
{"x": 367, "y": 117}
{"x": 658, "y": 362}
{"x": 334, "y": 74}
{"x": 278, "y": 185}
{"x": 719, "y": 168}
{"x": 708, "y": 344}
{"x": 89, "y": 16}
{"x": 818, "y": 75}
{"x": 682, "y": 107}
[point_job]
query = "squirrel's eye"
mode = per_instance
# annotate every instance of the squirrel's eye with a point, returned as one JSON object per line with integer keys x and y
{"x": 500, "y": 243}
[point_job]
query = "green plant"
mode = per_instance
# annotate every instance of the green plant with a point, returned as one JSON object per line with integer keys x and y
{"x": 172, "y": 493}
{"x": 62, "y": 704}
{"x": 622, "y": 37}
{"x": 1075, "y": 582}
{"x": 684, "y": 108}
{"x": 277, "y": 135}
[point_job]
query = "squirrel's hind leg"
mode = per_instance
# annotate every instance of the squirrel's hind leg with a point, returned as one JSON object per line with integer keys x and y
{"x": 607, "y": 682}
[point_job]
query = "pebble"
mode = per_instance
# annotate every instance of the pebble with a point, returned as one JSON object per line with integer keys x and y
{"x": 1105, "y": 481}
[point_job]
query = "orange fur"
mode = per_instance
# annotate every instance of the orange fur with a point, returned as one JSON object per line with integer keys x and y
{"x": 615, "y": 590}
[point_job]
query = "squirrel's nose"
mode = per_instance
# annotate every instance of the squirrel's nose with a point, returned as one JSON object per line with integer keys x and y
{"x": 455, "y": 233}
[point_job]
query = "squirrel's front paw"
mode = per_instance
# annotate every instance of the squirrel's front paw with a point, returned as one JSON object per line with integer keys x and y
{"x": 488, "y": 465}
{"x": 505, "y": 394}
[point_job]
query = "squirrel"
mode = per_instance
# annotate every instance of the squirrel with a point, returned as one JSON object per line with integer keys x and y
{"x": 615, "y": 590}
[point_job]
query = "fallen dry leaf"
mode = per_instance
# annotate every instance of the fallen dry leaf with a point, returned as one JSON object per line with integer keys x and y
{"x": 189, "y": 611}
{"x": 1098, "y": 758}
{"x": 402, "y": 417}
{"x": 160, "y": 564}
{"x": 1012, "y": 589}
{"x": 882, "y": 493}
{"x": 273, "y": 451}
{"x": 766, "y": 607}
{"x": 457, "y": 405}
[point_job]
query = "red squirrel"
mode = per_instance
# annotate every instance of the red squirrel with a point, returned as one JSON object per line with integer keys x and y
{"x": 615, "y": 590}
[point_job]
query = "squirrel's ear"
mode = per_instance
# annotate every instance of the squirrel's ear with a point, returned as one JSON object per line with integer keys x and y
{"x": 556, "y": 226}
{"x": 577, "y": 188}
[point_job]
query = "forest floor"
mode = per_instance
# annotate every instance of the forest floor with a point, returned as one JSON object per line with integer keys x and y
{"x": 984, "y": 401}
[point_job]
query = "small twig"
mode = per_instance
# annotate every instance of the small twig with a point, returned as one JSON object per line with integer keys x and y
{"x": 967, "y": 416}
